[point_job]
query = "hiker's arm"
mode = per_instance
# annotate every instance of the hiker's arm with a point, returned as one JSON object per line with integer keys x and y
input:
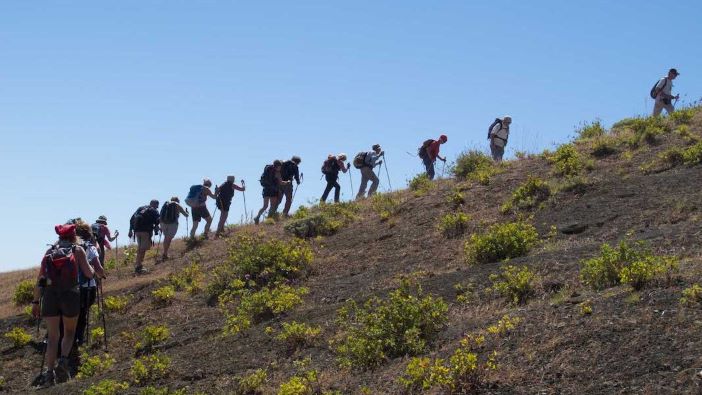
{"x": 95, "y": 263}
{"x": 297, "y": 175}
{"x": 182, "y": 210}
{"x": 109, "y": 234}
{"x": 83, "y": 264}
{"x": 209, "y": 193}
{"x": 241, "y": 188}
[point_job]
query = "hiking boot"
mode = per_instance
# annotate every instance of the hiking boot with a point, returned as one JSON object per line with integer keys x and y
{"x": 62, "y": 371}
{"x": 164, "y": 258}
{"x": 140, "y": 270}
{"x": 256, "y": 219}
{"x": 45, "y": 379}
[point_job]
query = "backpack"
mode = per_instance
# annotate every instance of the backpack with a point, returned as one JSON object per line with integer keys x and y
{"x": 96, "y": 228}
{"x": 328, "y": 166}
{"x": 194, "y": 198}
{"x": 422, "y": 150}
{"x": 654, "y": 92}
{"x": 169, "y": 213}
{"x": 359, "y": 160}
{"x": 268, "y": 176}
{"x": 137, "y": 220}
{"x": 498, "y": 121}
{"x": 60, "y": 267}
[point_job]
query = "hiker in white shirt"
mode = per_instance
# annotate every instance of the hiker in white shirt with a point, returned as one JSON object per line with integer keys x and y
{"x": 498, "y": 135}
{"x": 664, "y": 95}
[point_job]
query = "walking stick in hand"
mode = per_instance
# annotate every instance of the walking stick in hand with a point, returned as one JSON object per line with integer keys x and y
{"x": 387, "y": 173}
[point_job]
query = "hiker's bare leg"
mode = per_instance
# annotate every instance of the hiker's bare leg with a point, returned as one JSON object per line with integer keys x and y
{"x": 69, "y": 334}
{"x": 288, "y": 199}
{"x": 274, "y": 206}
{"x": 194, "y": 228}
{"x": 222, "y": 220}
{"x": 208, "y": 223}
{"x": 264, "y": 208}
{"x": 52, "y": 328}
{"x": 166, "y": 245}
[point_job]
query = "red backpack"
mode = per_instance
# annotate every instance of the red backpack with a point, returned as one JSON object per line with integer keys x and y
{"x": 60, "y": 267}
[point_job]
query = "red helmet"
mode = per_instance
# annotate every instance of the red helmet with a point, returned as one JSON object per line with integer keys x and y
{"x": 443, "y": 138}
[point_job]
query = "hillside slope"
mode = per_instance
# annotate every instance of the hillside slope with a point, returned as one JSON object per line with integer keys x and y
{"x": 633, "y": 341}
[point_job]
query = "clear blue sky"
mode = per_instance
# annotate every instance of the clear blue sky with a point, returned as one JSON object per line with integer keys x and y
{"x": 105, "y": 105}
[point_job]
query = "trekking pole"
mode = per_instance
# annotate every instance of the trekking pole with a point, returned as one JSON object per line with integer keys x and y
{"x": 443, "y": 167}
{"x": 117, "y": 251}
{"x": 158, "y": 246}
{"x": 87, "y": 320}
{"x": 351, "y": 180}
{"x": 387, "y": 173}
{"x": 243, "y": 193}
{"x": 46, "y": 338}
{"x": 101, "y": 307}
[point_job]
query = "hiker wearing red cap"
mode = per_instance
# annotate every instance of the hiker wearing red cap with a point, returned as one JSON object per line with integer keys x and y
{"x": 429, "y": 152}
{"x": 143, "y": 223}
{"x": 330, "y": 169}
{"x": 102, "y": 236}
{"x": 57, "y": 299}
{"x": 663, "y": 93}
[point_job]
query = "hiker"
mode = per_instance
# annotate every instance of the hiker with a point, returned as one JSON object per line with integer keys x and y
{"x": 225, "y": 194}
{"x": 288, "y": 172}
{"x": 429, "y": 152}
{"x": 169, "y": 222}
{"x": 272, "y": 182}
{"x": 366, "y": 162}
{"x": 498, "y": 133}
{"x": 57, "y": 300}
{"x": 88, "y": 286}
{"x": 662, "y": 92}
{"x": 144, "y": 223}
{"x": 197, "y": 199}
{"x": 102, "y": 236}
{"x": 330, "y": 169}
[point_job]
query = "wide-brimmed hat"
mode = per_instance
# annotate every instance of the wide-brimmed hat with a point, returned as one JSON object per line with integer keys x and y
{"x": 101, "y": 220}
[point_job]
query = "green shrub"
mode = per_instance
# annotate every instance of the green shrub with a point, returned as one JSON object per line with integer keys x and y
{"x": 163, "y": 296}
{"x": 150, "y": 367}
{"x": 251, "y": 306}
{"x": 322, "y": 220}
{"x": 456, "y": 198}
{"x": 106, "y": 387}
{"x": 304, "y": 382}
{"x": 24, "y": 292}
{"x": 252, "y": 382}
{"x": 692, "y": 296}
{"x": 421, "y": 184}
{"x": 97, "y": 335}
{"x": 402, "y": 324}
{"x": 501, "y": 241}
{"x": 18, "y": 336}
{"x": 465, "y": 292}
{"x": 634, "y": 265}
{"x": 256, "y": 262}
{"x": 515, "y": 284}
{"x": 152, "y": 335}
{"x": 190, "y": 279}
{"x": 298, "y": 334}
{"x": 471, "y": 162}
{"x": 116, "y": 304}
{"x": 151, "y": 390}
{"x": 638, "y": 130}
{"x": 590, "y": 130}
{"x": 604, "y": 146}
{"x": 385, "y": 205}
{"x": 575, "y": 184}
{"x": 453, "y": 224}
{"x": 684, "y": 115}
{"x": 566, "y": 161}
{"x": 92, "y": 366}
{"x": 530, "y": 194}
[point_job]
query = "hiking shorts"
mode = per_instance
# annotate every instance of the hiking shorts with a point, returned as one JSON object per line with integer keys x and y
{"x": 224, "y": 205}
{"x": 200, "y": 213}
{"x": 143, "y": 240}
{"x": 270, "y": 192}
{"x": 61, "y": 302}
{"x": 169, "y": 230}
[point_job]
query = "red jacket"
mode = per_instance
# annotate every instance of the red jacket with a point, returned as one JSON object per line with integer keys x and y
{"x": 433, "y": 150}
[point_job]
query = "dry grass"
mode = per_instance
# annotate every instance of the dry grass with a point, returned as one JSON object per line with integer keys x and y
{"x": 8, "y": 282}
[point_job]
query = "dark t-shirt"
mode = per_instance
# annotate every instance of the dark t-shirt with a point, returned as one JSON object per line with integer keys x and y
{"x": 149, "y": 219}
{"x": 289, "y": 171}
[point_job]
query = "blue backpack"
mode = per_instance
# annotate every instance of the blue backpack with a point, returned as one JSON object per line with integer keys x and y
{"x": 194, "y": 198}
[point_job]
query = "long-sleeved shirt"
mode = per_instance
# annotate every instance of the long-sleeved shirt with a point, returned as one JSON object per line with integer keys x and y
{"x": 371, "y": 159}
{"x": 225, "y": 192}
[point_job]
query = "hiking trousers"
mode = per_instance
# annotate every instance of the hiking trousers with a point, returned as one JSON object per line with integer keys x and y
{"x": 659, "y": 106}
{"x": 429, "y": 166}
{"x": 367, "y": 174}
{"x": 497, "y": 152}
{"x": 332, "y": 183}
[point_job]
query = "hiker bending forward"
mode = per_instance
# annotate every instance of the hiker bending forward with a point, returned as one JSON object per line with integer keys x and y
{"x": 330, "y": 169}
{"x": 144, "y": 222}
{"x": 663, "y": 93}
{"x": 498, "y": 134}
{"x": 429, "y": 152}
{"x": 200, "y": 210}
{"x": 288, "y": 172}
{"x": 225, "y": 194}
{"x": 57, "y": 299}
{"x": 370, "y": 161}
{"x": 170, "y": 213}
{"x": 272, "y": 182}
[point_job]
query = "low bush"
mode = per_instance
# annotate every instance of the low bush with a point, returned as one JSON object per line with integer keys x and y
{"x": 692, "y": 296}
{"x": 250, "y": 307}
{"x": 515, "y": 284}
{"x": 421, "y": 184}
{"x": 107, "y": 387}
{"x": 24, "y": 292}
{"x": 465, "y": 292}
{"x": 18, "y": 336}
{"x": 152, "y": 335}
{"x": 304, "y": 382}
{"x": 150, "y": 367}
{"x": 164, "y": 295}
{"x": 589, "y": 130}
{"x": 257, "y": 262}
{"x": 402, "y": 324}
{"x": 456, "y": 198}
{"x": 453, "y": 224}
{"x": 298, "y": 334}
{"x": 566, "y": 161}
{"x": 683, "y": 116}
{"x": 501, "y": 241}
{"x": 385, "y": 205}
{"x": 604, "y": 146}
{"x": 470, "y": 163}
{"x": 634, "y": 265}
{"x": 322, "y": 220}
{"x": 638, "y": 130}
{"x": 252, "y": 383}
{"x": 528, "y": 195}
{"x": 151, "y": 390}
{"x": 97, "y": 335}
{"x": 93, "y": 365}
{"x": 116, "y": 304}
{"x": 190, "y": 279}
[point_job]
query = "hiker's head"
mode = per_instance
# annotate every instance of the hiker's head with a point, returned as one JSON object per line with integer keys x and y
{"x": 376, "y": 148}
{"x": 672, "y": 74}
{"x": 74, "y": 221}
{"x": 296, "y": 159}
{"x": 277, "y": 163}
{"x": 175, "y": 199}
{"x": 66, "y": 232}
{"x": 342, "y": 157}
{"x": 230, "y": 179}
{"x": 507, "y": 120}
{"x": 84, "y": 232}
{"x": 206, "y": 182}
{"x": 154, "y": 203}
{"x": 101, "y": 220}
{"x": 443, "y": 138}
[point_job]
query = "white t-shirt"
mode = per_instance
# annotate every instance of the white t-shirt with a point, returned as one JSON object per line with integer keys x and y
{"x": 664, "y": 89}
{"x": 91, "y": 253}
